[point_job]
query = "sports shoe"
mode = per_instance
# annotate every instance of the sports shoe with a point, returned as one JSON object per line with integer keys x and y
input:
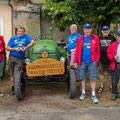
{"x": 94, "y": 98}
{"x": 83, "y": 95}
{"x": 12, "y": 91}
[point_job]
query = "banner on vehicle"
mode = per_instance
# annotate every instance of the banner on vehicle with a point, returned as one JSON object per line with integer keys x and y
{"x": 45, "y": 67}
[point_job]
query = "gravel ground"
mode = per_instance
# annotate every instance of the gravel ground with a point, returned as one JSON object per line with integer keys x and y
{"x": 51, "y": 102}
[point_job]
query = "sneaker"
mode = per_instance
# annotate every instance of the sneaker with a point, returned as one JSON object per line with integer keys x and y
{"x": 94, "y": 98}
{"x": 83, "y": 95}
{"x": 12, "y": 92}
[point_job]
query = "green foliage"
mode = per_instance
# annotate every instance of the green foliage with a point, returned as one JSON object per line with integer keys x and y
{"x": 66, "y": 12}
{"x": 105, "y": 12}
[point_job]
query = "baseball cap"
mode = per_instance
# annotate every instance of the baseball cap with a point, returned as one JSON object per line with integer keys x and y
{"x": 87, "y": 26}
{"x": 105, "y": 27}
{"x": 118, "y": 33}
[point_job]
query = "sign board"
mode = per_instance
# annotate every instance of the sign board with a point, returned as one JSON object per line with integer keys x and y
{"x": 45, "y": 67}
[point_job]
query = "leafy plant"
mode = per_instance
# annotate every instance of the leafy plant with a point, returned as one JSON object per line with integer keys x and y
{"x": 67, "y": 12}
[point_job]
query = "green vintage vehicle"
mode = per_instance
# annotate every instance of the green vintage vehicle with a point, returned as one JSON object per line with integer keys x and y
{"x": 46, "y": 62}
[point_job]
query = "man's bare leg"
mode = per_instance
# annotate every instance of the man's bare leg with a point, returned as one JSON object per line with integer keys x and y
{"x": 110, "y": 81}
{"x": 101, "y": 79}
{"x": 100, "y": 90}
{"x": 12, "y": 84}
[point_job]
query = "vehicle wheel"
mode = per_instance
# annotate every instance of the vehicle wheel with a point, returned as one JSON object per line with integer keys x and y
{"x": 19, "y": 86}
{"x": 72, "y": 88}
{"x": 68, "y": 83}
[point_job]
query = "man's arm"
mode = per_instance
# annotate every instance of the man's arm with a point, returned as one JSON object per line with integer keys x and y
{"x": 29, "y": 45}
{"x": 65, "y": 47}
{"x": 98, "y": 50}
{"x": 3, "y": 45}
{"x": 12, "y": 49}
{"x": 110, "y": 55}
{"x": 10, "y": 46}
{"x": 72, "y": 50}
{"x": 76, "y": 54}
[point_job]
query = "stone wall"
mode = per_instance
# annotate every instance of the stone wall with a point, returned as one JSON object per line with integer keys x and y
{"x": 27, "y": 15}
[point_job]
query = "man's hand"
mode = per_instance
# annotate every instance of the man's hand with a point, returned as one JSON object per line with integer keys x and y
{"x": 65, "y": 47}
{"x": 17, "y": 49}
{"x": 23, "y": 49}
{"x": 75, "y": 65}
{"x": 116, "y": 57}
{"x": 72, "y": 50}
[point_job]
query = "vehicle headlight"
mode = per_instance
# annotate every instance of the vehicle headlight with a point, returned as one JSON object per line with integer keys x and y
{"x": 27, "y": 61}
{"x": 62, "y": 59}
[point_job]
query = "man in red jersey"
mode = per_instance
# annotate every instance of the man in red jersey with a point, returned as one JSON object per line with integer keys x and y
{"x": 113, "y": 53}
{"x": 86, "y": 55}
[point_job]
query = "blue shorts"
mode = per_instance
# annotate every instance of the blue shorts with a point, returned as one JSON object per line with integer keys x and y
{"x": 90, "y": 67}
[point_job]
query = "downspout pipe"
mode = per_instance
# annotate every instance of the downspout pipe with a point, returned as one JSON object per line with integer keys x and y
{"x": 40, "y": 21}
{"x": 41, "y": 4}
{"x": 11, "y": 14}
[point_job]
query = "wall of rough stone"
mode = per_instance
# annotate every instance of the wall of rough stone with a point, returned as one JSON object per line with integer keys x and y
{"x": 46, "y": 23}
{"x": 31, "y": 22}
{"x": 27, "y": 15}
{"x": 36, "y": 1}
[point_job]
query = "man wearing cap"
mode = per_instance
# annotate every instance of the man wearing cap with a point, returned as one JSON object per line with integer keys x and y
{"x": 113, "y": 53}
{"x": 104, "y": 64}
{"x": 86, "y": 55}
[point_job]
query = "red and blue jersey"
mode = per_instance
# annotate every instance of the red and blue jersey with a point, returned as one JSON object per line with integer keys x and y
{"x": 95, "y": 49}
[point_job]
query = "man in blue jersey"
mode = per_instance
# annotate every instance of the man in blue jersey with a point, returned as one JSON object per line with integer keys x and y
{"x": 86, "y": 55}
{"x": 71, "y": 45}
{"x": 17, "y": 46}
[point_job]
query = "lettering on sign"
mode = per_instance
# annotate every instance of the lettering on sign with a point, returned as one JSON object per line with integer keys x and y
{"x": 44, "y": 67}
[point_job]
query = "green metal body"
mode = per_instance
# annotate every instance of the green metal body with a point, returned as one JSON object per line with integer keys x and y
{"x": 49, "y": 46}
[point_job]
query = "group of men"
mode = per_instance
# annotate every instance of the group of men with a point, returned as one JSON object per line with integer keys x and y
{"x": 88, "y": 52}
{"x": 85, "y": 51}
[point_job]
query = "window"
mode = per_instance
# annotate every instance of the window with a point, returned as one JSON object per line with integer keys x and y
{"x": 1, "y": 26}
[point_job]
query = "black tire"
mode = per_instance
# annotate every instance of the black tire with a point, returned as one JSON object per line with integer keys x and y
{"x": 68, "y": 83}
{"x": 72, "y": 84}
{"x": 19, "y": 86}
